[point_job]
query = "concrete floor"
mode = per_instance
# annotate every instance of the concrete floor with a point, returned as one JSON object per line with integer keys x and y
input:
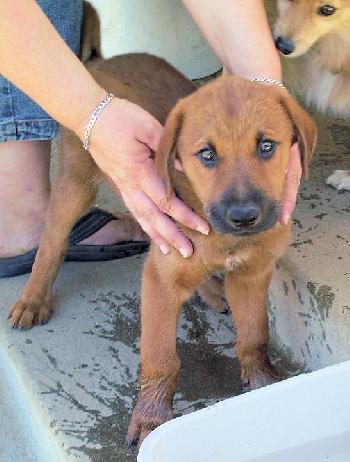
{"x": 80, "y": 370}
{"x": 74, "y": 380}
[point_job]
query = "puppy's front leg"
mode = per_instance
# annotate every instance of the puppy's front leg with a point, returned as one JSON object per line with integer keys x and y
{"x": 246, "y": 292}
{"x": 163, "y": 292}
{"x": 70, "y": 198}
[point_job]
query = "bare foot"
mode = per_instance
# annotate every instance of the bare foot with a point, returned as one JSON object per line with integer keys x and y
{"x": 19, "y": 235}
{"x": 24, "y": 197}
{"x": 123, "y": 229}
{"x": 24, "y": 194}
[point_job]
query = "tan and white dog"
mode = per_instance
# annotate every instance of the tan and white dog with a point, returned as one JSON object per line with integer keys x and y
{"x": 320, "y": 30}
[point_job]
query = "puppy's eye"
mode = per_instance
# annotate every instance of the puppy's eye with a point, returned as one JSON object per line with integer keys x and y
{"x": 208, "y": 156}
{"x": 327, "y": 10}
{"x": 266, "y": 148}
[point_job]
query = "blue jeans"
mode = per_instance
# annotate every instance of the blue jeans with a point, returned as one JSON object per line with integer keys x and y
{"x": 20, "y": 117}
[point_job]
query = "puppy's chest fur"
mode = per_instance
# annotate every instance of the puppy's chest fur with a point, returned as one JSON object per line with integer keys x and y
{"x": 231, "y": 253}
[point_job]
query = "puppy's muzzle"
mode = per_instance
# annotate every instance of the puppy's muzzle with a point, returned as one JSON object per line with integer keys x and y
{"x": 243, "y": 216}
{"x": 284, "y": 45}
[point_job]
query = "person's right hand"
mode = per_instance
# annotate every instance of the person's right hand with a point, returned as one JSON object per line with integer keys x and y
{"x": 122, "y": 144}
{"x": 292, "y": 183}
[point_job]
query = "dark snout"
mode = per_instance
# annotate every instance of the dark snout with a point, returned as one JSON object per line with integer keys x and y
{"x": 284, "y": 45}
{"x": 243, "y": 215}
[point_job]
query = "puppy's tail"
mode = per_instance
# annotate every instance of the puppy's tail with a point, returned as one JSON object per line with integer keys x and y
{"x": 90, "y": 44}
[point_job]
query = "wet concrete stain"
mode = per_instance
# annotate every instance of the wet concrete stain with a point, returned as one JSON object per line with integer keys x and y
{"x": 300, "y": 243}
{"x": 324, "y": 297}
{"x": 207, "y": 374}
{"x": 118, "y": 326}
{"x": 105, "y": 440}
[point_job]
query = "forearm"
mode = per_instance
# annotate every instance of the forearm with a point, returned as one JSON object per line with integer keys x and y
{"x": 36, "y": 59}
{"x": 239, "y": 33}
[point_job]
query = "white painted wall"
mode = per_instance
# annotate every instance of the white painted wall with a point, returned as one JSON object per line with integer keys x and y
{"x": 160, "y": 27}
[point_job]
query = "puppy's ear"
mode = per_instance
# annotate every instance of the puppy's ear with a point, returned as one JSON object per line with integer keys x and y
{"x": 305, "y": 131}
{"x": 166, "y": 152}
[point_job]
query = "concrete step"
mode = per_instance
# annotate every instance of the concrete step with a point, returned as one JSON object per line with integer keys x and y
{"x": 24, "y": 436}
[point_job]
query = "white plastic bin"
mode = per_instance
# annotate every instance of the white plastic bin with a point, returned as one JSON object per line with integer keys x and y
{"x": 303, "y": 419}
{"x": 160, "y": 27}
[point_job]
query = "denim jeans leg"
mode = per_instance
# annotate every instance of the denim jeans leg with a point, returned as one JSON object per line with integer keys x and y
{"x": 21, "y": 118}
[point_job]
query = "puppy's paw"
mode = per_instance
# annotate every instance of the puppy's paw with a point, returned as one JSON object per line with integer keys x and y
{"x": 211, "y": 291}
{"x": 147, "y": 416}
{"x": 340, "y": 180}
{"x": 261, "y": 377}
{"x": 24, "y": 314}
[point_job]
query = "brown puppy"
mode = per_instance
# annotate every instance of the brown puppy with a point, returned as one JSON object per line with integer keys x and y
{"x": 233, "y": 139}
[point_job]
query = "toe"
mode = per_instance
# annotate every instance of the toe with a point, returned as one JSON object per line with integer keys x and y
{"x": 15, "y": 315}
{"x": 26, "y": 321}
{"x": 132, "y": 436}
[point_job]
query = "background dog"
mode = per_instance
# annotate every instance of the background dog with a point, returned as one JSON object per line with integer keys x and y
{"x": 320, "y": 30}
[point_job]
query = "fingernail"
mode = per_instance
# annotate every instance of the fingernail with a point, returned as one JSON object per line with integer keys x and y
{"x": 184, "y": 252}
{"x": 164, "y": 249}
{"x": 286, "y": 219}
{"x": 203, "y": 229}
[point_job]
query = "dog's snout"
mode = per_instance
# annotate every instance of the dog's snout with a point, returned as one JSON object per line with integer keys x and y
{"x": 243, "y": 215}
{"x": 284, "y": 45}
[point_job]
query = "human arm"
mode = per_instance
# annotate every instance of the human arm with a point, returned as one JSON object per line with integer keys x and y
{"x": 36, "y": 59}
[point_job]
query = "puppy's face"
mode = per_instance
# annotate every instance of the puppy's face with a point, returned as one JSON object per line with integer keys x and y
{"x": 301, "y": 23}
{"x": 233, "y": 139}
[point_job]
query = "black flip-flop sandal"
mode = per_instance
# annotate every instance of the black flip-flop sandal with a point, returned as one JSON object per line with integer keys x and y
{"x": 85, "y": 227}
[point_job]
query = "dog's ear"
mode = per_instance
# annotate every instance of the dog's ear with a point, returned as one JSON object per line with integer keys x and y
{"x": 305, "y": 131}
{"x": 166, "y": 152}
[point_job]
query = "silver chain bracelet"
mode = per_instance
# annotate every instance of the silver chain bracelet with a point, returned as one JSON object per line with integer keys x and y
{"x": 267, "y": 80}
{"x": 93, "y": 119}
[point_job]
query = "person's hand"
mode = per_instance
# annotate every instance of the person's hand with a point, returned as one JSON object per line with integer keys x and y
{"x": 122, "y": 144}
{"x": 292, "y": 183}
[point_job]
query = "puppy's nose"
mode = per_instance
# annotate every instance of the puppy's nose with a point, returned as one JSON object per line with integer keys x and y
{"x": 284, "y": 45}
{"x": 243, "y": 215}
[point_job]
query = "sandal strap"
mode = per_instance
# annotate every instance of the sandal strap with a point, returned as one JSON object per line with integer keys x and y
{"x": 89, "y": 224}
